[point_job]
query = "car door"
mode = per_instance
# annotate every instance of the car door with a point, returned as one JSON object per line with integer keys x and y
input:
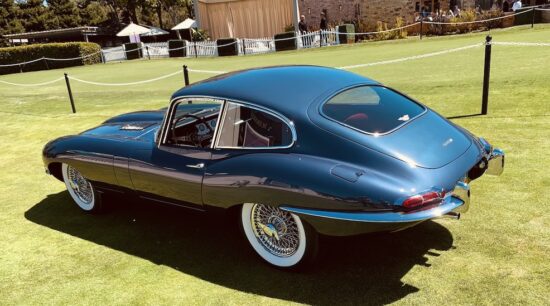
{"x": 171, "y": 173}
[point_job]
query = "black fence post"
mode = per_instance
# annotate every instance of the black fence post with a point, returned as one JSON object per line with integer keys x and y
{"x": 243, "y": 41}
{"x": 102, "y": 57}
{"x": 20, "y": 68}
{"x": 185, "y": 75}
{"x": 195, "y": 46}
{"x": 486, "y": 75}
{"x": 421, "y": 27}
{"x": 533, "y": 17}
{"x": 46, "y": 63}
{"x": 70, "y": 92}
{"x": 147, "y": 50}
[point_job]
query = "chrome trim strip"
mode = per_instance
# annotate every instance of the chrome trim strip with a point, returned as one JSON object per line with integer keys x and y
{"x": 369, "y": 133}
{"x": 275, "y": 114}
{"x": 451, "y": 204}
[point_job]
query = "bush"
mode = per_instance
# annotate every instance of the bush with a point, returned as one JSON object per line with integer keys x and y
{"x": 176, "y": 48}
{"x": 133, "y": 51}
{"x": 227, "y": 46}
{"x": 286, "y": 42}
{"x": 397, "y": 34}
{"x": 16, "y": 55}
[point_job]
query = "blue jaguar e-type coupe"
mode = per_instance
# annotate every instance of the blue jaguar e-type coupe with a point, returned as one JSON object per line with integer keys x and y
{"x": 298, "y": 150}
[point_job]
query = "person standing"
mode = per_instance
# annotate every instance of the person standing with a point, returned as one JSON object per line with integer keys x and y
{"x": 323, "y": 26}
{"x": 517, "y": 5}
{"x": 302, "y": 27}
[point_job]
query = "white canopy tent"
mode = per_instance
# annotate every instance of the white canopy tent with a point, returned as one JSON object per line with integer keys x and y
{"x": 187, "y": 24}
{"x": 133, "y": 31}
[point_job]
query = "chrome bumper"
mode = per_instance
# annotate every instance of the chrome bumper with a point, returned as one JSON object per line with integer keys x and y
{"x": 450, "y": 204}
{"x": 496, "y": 162}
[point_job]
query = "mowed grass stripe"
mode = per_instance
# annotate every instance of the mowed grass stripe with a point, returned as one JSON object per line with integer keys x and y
{"x": 497, "y": 253}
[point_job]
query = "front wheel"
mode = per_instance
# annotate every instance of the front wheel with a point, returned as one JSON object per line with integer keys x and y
{"x": 278, "y": 236}
{"x": 80, "y": 189}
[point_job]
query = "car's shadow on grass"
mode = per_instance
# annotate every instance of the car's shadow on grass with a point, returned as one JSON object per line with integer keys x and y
{"x": 365, "y": 269}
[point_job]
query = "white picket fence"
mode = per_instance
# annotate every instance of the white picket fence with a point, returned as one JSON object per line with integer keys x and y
{"x": 245, "y": 46}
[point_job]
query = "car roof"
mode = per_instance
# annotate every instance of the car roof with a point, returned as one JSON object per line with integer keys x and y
{"x": 285, "y": 89}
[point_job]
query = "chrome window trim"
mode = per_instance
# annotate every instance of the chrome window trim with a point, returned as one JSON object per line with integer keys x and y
{"x": 170, "y": 112}
{"x": 221, "y": 118}
{"x": 273, "y": 113}
{"x": 364, "y": 132}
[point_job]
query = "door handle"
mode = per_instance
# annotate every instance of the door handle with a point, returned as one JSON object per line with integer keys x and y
{"x": 196, "y": 166}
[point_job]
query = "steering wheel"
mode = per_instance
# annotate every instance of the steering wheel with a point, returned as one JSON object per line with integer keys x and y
{"x": 194, "y": 139}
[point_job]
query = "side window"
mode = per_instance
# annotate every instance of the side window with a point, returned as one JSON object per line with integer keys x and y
{"x": 246, "y": 127}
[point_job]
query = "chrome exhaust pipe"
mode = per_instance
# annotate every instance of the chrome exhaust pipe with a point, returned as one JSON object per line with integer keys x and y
{"x": 453, "y": 215}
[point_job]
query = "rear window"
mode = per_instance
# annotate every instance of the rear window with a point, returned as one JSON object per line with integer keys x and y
{"x": 371, "y": 109}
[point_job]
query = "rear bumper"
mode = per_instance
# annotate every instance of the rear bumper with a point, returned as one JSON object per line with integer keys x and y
{"x": 336, "y": 223}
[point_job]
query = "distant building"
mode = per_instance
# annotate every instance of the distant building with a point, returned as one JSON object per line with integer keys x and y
{"x": 245, "y": 18}
{"x": 88, "y": 34}
{"x": 368, "y": 12}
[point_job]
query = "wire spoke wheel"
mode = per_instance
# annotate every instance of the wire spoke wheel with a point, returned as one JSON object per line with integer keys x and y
{"x": 80, "y": 189}
{"x": 275, "y": 229}
{"x": 278, "y": 236}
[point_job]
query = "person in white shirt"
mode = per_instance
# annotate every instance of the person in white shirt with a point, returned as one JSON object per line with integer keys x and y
{"x": 517, "y": 5}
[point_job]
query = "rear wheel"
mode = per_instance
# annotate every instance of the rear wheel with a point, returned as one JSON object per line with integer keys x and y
{"x": 80, "y": 189}
{"x": 278, "y": 236}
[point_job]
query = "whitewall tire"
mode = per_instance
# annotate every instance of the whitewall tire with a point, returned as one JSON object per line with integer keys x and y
{"x": 80, "y": 189}
{"x": 278, "y": 237}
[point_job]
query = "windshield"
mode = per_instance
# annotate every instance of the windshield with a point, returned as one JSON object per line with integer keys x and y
{"x": 371, "y": 109}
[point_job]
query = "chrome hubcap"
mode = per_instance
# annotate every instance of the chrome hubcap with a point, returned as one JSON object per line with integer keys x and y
{"x": 275, "y": 229}
{"x": 81, "y": 187}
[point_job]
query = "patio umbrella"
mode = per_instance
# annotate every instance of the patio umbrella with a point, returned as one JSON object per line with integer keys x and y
{"x": 187, "y": 24}
{"x": 154, "y": 31}
{"x": 133, "y": 31}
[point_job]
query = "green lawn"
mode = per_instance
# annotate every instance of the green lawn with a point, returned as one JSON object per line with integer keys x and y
{"x": 498, "y": 253}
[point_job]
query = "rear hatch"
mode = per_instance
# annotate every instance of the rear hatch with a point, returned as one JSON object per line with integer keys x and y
{"x": 391, "y": 123}
{"x": 428, "y": 141}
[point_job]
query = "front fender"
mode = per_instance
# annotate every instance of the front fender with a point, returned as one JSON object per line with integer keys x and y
{"x": 90, "y": 156}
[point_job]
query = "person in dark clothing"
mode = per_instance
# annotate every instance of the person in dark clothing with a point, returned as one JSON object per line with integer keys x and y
{"x": 324, "y": 23}
{"x": 324, "y": 27}
{"x": 302, "y": 26}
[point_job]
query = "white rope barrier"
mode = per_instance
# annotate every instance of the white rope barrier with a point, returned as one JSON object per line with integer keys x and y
{"x": 126, "y": 84}
{"x": 524, "y": 44}
{"x": 31, "y": 84}
{"x": 23, "y": 63}
{"x": 207, "y": 71}
{"x": 542, "y": 9}
{"x": 398, "y": 60}
{"x": 476, "y": 21}
{"x": 403, "y": 59}
{"x": 375, "y": 32}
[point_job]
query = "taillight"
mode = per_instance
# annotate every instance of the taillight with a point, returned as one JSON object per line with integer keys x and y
{"x": 431, "y": 197}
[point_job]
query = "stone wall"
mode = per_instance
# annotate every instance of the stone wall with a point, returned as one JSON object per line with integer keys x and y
{"x": 368, "y": 12}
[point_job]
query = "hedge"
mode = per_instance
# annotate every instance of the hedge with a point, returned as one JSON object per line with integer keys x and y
{"x": 284, "y": 41}
{"x": 176, "y": 48}
{"x": 16, "y": 55}
{"x": 227, "y": 46}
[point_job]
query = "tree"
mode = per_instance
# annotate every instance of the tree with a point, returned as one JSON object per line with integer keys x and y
{"x": 94, "y": 13}
{"x": 9, "y": 21}
{"x": 65, "y": 12}
{"x": 35, "y": 16}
